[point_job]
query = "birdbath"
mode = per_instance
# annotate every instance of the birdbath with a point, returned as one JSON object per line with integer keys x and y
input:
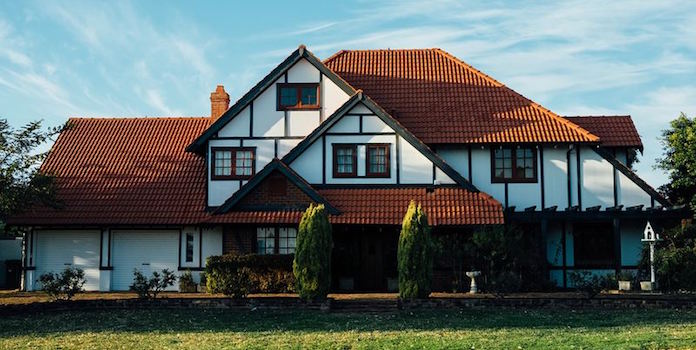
{"x": 473, "y": 275}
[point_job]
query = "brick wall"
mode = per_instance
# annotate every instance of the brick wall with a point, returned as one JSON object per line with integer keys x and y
{"x": 238, "y": 239}
{"x": 276, "y": 192}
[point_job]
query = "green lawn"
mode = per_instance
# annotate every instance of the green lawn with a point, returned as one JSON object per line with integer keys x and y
{"x": 484, "y": 329}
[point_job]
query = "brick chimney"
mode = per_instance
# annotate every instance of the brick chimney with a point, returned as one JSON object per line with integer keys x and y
{"x": 219, "y": 102}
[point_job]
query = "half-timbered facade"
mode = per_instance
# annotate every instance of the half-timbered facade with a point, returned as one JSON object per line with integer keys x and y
{"x": 363, "y": 132}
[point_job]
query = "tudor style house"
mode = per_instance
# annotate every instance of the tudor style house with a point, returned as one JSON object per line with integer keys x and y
{"x": 363, "y": 132}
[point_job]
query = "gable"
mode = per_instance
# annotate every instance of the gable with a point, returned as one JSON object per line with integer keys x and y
{"x": 275, "y": 192}
{"x": 360, "y": 122}
{"x": 256, "y": 110}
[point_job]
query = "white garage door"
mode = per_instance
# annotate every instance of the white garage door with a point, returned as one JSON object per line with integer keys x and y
{"x": 57, "y": 250}
{"x": 146, "y": 251}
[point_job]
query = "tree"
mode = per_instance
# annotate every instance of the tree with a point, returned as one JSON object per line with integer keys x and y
{"x": 415, "y": 254}
{"x": 312, "y": 264}
{"x": 21, "y": 181}
{"x": 679, "y": 160}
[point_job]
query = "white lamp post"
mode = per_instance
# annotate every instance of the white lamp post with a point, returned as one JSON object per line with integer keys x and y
{"x": 651, "y": 238}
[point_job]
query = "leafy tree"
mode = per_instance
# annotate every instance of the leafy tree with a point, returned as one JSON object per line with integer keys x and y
{"x": 312, "y": 264}
{"x": 679, "y": 160}
{"x": 415, "y": 254}
{"x": 21, "y": 181}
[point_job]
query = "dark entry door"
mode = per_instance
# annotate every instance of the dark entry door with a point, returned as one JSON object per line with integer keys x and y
{"x": 366, "y": 256}
{"x": 371, "y": 276}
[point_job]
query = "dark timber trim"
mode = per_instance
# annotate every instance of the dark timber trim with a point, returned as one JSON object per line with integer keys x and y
{"x": 101, "y": 248}
{"x": 260, "y": 176}
{"x": 251, "y": 119}
{"x": 632, "y": 176}
{"x": 565, "y": 253}
{"x": 570, "y": 187}
{"x": 398, "y": 158}
{"x": 391, "y": 122}
{"x": 323, "y": 160}
{"x": 616, "y": 226}
{"x": 179, "y": 258}
{"x": 301, "y": 52}
{"x": 579, "y": 172}
{"x": 470, "y": 161}
{"x": 541, "y": 172}
{"x": 616, "y": 189}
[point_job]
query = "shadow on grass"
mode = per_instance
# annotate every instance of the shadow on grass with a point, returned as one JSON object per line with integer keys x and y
{"x": 199, "y": 320}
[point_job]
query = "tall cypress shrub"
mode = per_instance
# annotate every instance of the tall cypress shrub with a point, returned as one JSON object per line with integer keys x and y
{"x": 312, "y": 264}
{"x": 415, "y": 254}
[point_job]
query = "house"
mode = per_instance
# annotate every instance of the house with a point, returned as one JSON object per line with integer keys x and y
{"x": 363, "y": 132}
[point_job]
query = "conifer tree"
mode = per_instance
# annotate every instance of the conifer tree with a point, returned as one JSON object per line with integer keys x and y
{"x": 415, "y": 254}
{"x": 312, "y": 264}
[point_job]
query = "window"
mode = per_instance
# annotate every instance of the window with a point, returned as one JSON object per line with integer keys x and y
{"x": 514, "y": 164}
{"x": 233, "y": 163}
{"x": 189, "y": 247}
{"x": 377, "y": 160}
{"x": 345, "y": 158}
{"x": 593, "y": 245}
{"x": 298, "y": 96}
{"x": 276, "y": 240}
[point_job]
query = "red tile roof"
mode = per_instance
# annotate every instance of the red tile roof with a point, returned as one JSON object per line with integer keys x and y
{"x": 444, "y": 100}
{"x": 125, "y": 171}
{"x": 613, "y": 131}
{"x": 135, "y": 171}
{"x": 387, "y": 206}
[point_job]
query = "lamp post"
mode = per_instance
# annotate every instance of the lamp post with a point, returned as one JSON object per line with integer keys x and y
{"x": 651, "y": 238}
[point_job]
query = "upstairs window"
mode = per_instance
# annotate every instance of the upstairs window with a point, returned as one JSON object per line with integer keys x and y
{"x": 298, "y": 96}
{"x": 514, "y": 164}
{"x": 232, "y": 163}
{"x": 345, "y": 160}
{"x": 377, "y": 160}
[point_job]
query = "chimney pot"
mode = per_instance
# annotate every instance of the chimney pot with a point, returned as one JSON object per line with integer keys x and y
{"x": 219, "y": 103}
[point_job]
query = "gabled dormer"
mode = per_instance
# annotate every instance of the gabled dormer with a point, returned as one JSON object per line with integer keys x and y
{"x": 267, "y": 122}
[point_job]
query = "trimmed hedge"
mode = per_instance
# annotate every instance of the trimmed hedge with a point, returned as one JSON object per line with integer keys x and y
{"x": 239, "y": 275}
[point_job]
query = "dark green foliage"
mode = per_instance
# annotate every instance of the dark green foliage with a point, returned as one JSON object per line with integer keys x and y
{"x": 509, "y": 260}
{"x": 679, "y": 160}
{"x": 150, "y": 288}
{"x": 312, "y": 264}
{"x": 186, "y": 283}
{"x": 64, "y": 285}
{"x": 415, "y": 254}
{"x": 21, "y": 182}
{"x": 591, "y": 284}
{"x": 451, "y": 253}
{"x": 675, "y": 259}
{"x": 239, "y": 275}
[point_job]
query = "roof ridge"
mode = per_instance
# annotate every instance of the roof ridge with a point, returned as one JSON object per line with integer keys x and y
{"x": 599, "y": 116}
{"x": 533, "y": 104}
{"x": 139, "y": 118}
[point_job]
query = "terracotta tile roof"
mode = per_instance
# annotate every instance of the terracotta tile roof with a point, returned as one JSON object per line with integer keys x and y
{"x": 387, "y": 206}
{"x": 135, "y": 171}
{"x": 441, "y": 99}
{"x": 445, "y": 206}
{"x": 125, "y": 171}
{"x": 613, "y": 130}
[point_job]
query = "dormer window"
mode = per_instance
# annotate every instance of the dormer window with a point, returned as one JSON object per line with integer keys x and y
{"x": 298, "y": 96}
{"x": 345, "y": 160}
{"x": 377, "y": 160}
{"x": 513, "y": 164}
{"x": 232, "y": 163}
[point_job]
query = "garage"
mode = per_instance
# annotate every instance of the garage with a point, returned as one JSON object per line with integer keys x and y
{"x": 145, "y": 250}
{"x": 58, "y": 250}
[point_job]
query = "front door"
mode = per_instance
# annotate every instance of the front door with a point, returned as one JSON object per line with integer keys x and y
{"x": 365, "y": 258}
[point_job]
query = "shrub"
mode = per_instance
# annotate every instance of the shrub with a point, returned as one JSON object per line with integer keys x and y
{"x": 312, "y": 264}
{"x": 675, "y": 259}
{"x": 509, "y": 260}
{"x": 202, "y": 279}
{"x": 150, "y": 288}
{"x": 186, "y": 283}
{"x": 414, "y": 254}
{"x": 239, "y": 275}
{"x": 626, "y": 276}
{"x": 64, "y": 285}
{"x": 591, "y": 284}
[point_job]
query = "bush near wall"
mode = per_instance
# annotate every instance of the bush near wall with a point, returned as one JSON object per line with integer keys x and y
{"x": 239, "y": 275}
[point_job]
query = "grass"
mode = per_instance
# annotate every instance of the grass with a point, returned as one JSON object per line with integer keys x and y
{"x": 451, "y": 329}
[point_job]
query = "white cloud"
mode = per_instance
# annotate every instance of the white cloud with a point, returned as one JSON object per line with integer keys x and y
{"x": 154, "y": 99}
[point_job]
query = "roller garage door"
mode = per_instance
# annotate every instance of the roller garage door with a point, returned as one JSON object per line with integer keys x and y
{"x": 146, "y": 250}
{"x": 57, "y": 250}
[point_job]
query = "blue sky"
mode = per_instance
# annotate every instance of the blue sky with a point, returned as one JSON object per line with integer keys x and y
{"x": 119, "y": 58}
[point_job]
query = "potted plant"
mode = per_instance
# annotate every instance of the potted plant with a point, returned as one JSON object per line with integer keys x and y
{"x": 625, "y": 280}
